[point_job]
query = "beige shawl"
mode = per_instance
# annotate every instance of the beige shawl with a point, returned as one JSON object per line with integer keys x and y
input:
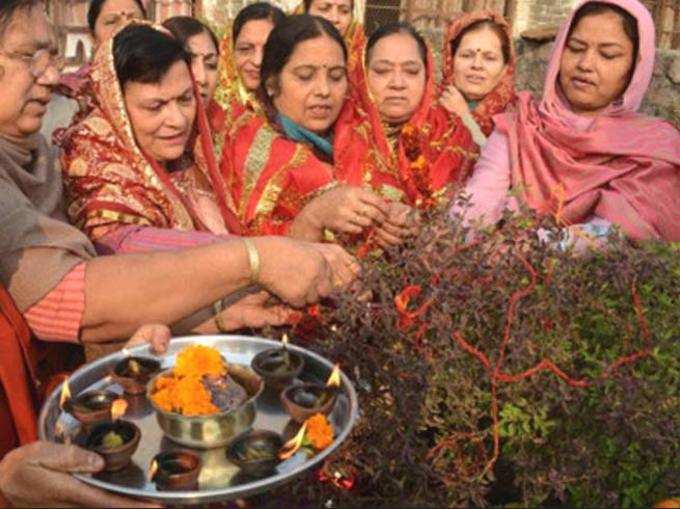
{"x": 37, "y": 245}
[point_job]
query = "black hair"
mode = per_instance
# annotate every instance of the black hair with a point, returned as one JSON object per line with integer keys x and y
{"x": 628, "y": 21}
{"x": 9, "y": 7}
{"x": 144, "y": 54}
{"x": 397, "y": 28}
{"x": 258, "y": 10}
{"x": 282, "y": 42}
{"x": 96, "y": 7}
{"x": 308, "y": 4}
{"x": 184, "y": 28}
{"x": 491, "y": 25}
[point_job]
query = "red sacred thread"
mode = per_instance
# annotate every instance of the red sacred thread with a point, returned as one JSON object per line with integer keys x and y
{"x": 497, "y": 375}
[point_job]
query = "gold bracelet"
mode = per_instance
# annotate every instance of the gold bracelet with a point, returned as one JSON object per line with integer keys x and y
{"x": 218, "y": 307}
{"x": 253, "y": 259}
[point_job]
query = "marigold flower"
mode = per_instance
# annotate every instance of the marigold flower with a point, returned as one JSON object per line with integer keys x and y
{"x": 319, "y": 431}
{"x": 199, "y": 360}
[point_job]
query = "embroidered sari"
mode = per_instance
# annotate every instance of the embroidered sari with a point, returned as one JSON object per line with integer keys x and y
{"x": 270, "y": 176}
{"x": 232, "y": 95}
{"x": 416, "y": 163}
{"x": 111, "y": 182}
{"x": 497, "y": 100}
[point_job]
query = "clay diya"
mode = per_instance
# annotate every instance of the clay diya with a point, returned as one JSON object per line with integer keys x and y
{"x": 88, "y": 407}
{"x": 115, "y": 441}
{"x": 134, "y": 373}
{"x": 255, "y": 452}
{"x": 304, "y": 400}
{"x": 175, "y": 470}
{"x": 278, "y": 366}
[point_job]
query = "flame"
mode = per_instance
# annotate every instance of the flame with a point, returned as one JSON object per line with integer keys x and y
{"x": 153, "y": 468}
{"x": 61, "y": 432}
{"x": 126, "y": 352}
{"x": 284, "y": 340}
{"x": 65, "y": 394}
{"x": 118, "y": 408}
{"x": 294, "y": 444}
{"x": 334, "y": 379}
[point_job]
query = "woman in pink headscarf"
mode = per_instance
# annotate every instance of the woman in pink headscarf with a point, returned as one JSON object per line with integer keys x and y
{"x": 583, "y": 152}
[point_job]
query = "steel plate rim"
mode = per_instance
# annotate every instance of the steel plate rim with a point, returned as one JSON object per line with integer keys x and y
{"x": 200, "y": 496}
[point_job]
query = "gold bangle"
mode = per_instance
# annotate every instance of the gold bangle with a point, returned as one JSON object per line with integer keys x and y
{"x": 253, "y": 259}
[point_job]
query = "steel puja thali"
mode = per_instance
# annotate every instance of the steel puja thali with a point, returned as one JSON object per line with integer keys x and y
{"x": 219, "y": 476}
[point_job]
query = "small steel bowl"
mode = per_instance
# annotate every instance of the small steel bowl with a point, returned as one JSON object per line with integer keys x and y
{"x": 216, "y": 430}
{"x": 116, "y": 458}
{"x": 91, "y": 406}
{"x": 300, "y": 413}
{"x": 131, "y": 383}
{"x": 177, "y": 470}
{"x": 277, "y": 381}
{"x": 266, "y": 440}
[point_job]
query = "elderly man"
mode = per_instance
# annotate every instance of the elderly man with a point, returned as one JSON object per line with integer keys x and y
{"x": 67, "y": 293}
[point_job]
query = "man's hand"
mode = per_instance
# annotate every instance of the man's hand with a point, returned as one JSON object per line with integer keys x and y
{"x": 39, "y": 475}
{"x": 301, "y": 273}
{"x": 156, "y": 334}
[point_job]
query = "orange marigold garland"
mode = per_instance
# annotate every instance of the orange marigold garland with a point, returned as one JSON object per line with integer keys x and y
{"x": 319, "y": 432}
{"x": 182, "y": 390}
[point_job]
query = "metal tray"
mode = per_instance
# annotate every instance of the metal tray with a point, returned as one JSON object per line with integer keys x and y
{"x": 219, "y": 479}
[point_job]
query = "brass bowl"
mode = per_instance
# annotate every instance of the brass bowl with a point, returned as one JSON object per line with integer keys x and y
{"x": 116, "y": 458}
{"x": 216, "y": 430}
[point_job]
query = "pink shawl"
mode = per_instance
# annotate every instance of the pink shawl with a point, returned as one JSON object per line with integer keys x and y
{"x": 625, "y": 167}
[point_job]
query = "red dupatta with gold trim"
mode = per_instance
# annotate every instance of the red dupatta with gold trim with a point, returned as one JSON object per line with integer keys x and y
{"x": 271, "y": 178}
{"x": 497, "y": 100}
{"x": 420, "y": 162}
{"x": 111, "y": 182}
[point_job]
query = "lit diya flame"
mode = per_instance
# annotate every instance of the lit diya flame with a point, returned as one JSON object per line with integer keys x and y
{"x": 126, "y": 352}
{"x": 65, "y": 394}
{"x": 334, "y": 379}
{"x": 284, "y": 340}
{"x": 118, "y": 409}
{"x": 294, "y": 444}
{"x": 61, "y": 432}
{"x": 153, "y": 468}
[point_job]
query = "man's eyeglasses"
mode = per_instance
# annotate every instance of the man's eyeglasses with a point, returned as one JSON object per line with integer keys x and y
{"x": 38, "y": 62}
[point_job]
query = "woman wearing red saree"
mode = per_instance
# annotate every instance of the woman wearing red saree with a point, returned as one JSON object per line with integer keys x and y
{"x": 241, "y": 51}
{"x": 143, "y": 155}
{"x": 398, "y": 141}
{"x": 478, "y": 70}
{"x": 279, "y": 167}
{"x": 345, "y": 16}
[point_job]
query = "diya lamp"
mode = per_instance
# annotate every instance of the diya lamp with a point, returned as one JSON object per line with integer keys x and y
{"x": 133, "y": 372}
{"x": 294, "y": 444}
{"x": 255, "y": 452}
{"x": 175, "y": 470}
{"x": 88, "y": 407}
{"x": 115, "y": 441}
{"x": 304, "y": 400}
{"x": 278, "y": 366}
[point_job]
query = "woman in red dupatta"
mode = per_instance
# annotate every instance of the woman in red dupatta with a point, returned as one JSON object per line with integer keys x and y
{"x": 478, "y": 69}
{"x": 113, "y": 180}
{"x": 279, "y": 166}
{"x": 345, "y": 15}
{"x": 414, "y": 159}
{"x": 241, "y": 50}
{"x": 583, "y": 153}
